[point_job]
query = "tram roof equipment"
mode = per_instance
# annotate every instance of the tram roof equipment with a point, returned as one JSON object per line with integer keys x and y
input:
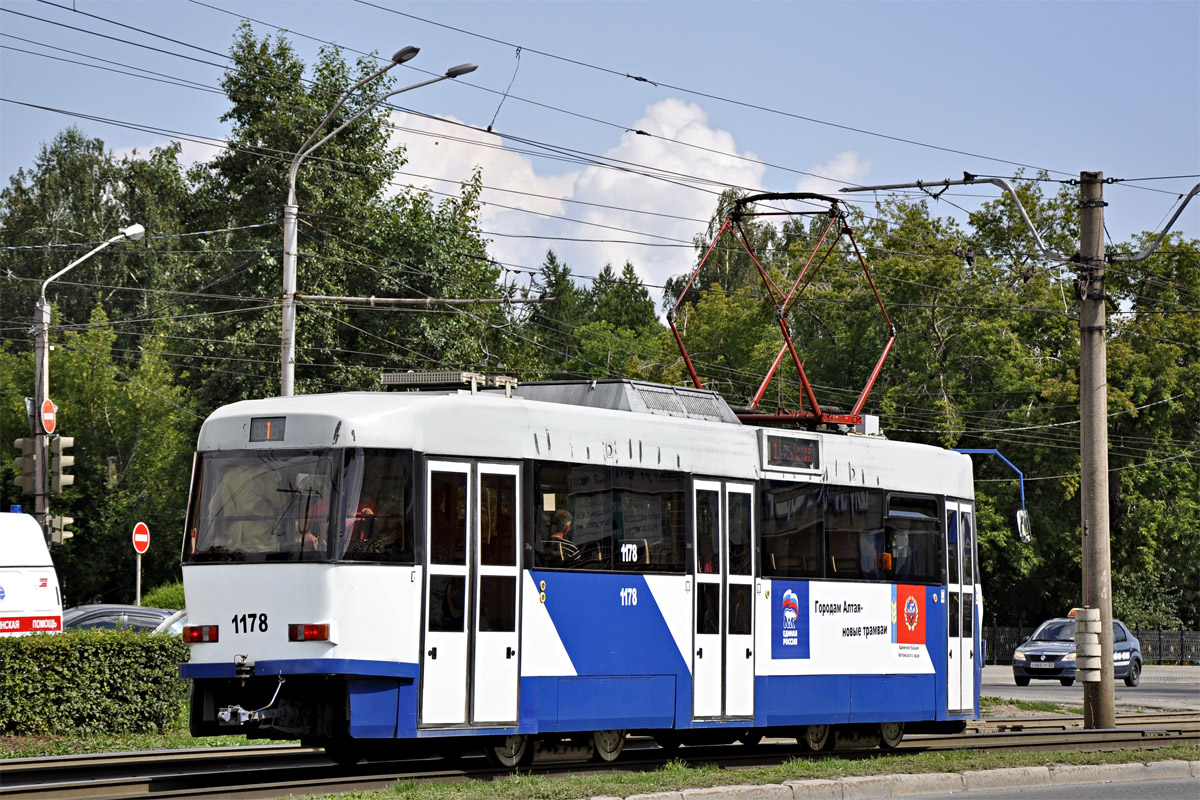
{"x": 835, "y": 228}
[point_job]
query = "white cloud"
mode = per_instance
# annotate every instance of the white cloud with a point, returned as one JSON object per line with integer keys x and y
{"x": 840, "y": 170}
{"x": 441, "y": 149}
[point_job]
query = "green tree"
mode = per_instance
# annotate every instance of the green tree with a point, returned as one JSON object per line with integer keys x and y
{"x": 355, "y": 239}
{"x": 134, "y": 435}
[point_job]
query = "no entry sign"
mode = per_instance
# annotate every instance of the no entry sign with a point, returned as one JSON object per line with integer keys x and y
{"x": 49, "y": 419}
{"x": 141, "y": 538}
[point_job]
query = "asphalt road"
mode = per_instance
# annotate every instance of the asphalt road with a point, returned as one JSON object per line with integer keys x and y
{"x": 1166, "y": 688}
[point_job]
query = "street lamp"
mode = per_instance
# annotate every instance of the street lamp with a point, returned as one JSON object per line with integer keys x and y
{"x": 41, "y": 389}
{"x": 290, "y": 211}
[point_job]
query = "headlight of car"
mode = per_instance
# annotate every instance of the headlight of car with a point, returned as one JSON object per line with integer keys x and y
{"x": 1069, "y": 657}
{"x": 1018, "y": 656}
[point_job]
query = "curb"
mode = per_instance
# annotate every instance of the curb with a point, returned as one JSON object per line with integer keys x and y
{"x": 873, "y": 787}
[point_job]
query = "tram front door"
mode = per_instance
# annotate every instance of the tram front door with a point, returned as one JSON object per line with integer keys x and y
{"x": 960, "y": 608}
{"x": 723, "y": 647}
{"x": 469, "y": 664}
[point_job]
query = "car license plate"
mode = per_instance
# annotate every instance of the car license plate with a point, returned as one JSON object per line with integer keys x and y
{"x": 1043, "y": 664}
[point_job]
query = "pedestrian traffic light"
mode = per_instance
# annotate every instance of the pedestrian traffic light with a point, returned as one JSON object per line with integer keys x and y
{"x": 26, "y": 464}
{"x": 59, "y": 462}
{"x": 58, "y": 529}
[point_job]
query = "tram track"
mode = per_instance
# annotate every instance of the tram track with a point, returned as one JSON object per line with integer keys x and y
{"x": 278, "y": 770}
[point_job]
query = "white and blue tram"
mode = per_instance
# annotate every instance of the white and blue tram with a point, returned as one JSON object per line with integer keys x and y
{"x": 374, "y": 570}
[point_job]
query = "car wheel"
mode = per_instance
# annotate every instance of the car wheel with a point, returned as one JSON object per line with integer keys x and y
{"x": 1021, "y": 680}
{"x": 1066, "y": 681}
{"x": 1135, "y": 674}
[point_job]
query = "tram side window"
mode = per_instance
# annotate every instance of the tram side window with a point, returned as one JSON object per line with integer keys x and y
{"x": 603, "y": 519}
{"x": 793, "y": 530}
{"x": 573, "y": 521}
{"x": 968, "y": 550}
{"x": 855, "y": 534}
{"x": 377, "y": 492}
{"x": 913, "y": 540}
{"x": 448, "y": 518}
{"x": 648, "y": 520}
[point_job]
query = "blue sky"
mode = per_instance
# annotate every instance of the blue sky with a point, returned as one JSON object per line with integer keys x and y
{"x": 853, "y": 92}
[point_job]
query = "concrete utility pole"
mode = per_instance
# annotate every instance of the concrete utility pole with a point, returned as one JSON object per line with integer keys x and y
{"x": 1099, "y": 710}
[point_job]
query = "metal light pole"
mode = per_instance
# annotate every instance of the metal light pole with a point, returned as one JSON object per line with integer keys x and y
{"x": 41, "y": 388}
{"x": 288, "y": 370}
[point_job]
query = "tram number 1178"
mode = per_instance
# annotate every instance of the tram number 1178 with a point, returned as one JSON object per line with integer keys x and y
{"x": 249, "y": 623}
{"x": 629, "y": 596}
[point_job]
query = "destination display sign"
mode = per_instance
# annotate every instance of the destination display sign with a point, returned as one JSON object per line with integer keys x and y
{"x": 267, "y": 429}
{"x": 788, "y": 452}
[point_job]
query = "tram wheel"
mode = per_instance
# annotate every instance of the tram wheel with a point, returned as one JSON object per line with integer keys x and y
{"x": 510, "y": 752}
{"x": 343, "y": 752}
{"x": 609, "y": 744}
{"x": 890, "y": 734}
{"x": 818, "y": 737}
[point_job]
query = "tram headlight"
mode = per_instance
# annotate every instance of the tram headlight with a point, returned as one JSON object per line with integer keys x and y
{"x": 1018, "y": 656}
{"x": 308, "y": 632}
{"x": 197, "y": 634}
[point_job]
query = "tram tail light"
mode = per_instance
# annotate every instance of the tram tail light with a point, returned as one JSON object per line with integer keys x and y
{"x": 195, "y": 634}
{"x": 308, "y": 632}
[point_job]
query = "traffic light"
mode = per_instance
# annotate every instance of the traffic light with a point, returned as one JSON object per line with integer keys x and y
{"x": 26, "y": 464}
{"x": 58, "y": 529}
{"x": 59, "y": 462}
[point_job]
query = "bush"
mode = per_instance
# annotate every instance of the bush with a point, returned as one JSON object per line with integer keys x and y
{"x": 89, "y": 682}
{"x": 169, "y": 595}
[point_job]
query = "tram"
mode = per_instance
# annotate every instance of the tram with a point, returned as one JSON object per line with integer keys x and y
{"x": 546, "y": 568}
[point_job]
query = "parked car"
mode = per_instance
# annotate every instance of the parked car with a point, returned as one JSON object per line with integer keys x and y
{"x": 114, "y": 616}
{"x": 173, "y": 625}
{"x": 1050, "y": 653}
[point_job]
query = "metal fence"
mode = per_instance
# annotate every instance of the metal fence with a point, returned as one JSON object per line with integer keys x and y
{"x": 1159, "y": 645}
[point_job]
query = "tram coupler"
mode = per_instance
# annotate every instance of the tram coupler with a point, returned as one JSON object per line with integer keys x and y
{"x": 236, "y": 715}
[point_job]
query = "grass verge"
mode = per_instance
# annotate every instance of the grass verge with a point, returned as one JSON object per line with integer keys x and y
{"x": 176, "y": 737}
{"x": 677, "y": 775}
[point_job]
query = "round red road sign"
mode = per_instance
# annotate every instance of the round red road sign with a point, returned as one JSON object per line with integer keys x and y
{"x": 48, "y": 416}
{"x": 141, "y": 537}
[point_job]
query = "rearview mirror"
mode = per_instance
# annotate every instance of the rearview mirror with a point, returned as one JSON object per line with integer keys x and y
{"x": 1024, "y": 532}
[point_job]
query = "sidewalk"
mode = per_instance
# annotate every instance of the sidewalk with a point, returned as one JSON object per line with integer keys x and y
{"x": 880, "y": 786}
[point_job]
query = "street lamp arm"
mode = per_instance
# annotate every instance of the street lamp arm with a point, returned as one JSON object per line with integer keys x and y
{"x": 132, "y": 232}
{"x": 399, "y": 57}
{"x": 308, "y": 149}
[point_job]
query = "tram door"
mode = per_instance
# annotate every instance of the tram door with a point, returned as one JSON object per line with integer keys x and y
{"x": 960, "y": 608}
{"x": 471, "y": 588}
{"x": 723, "y": 653}
{"x": 495, "y": 674}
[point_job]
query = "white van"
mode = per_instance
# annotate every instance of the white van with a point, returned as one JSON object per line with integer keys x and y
{"x": 30, "y": 601}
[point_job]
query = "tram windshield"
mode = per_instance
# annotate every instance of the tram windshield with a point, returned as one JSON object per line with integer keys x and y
{"x": 301, "y": 505}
